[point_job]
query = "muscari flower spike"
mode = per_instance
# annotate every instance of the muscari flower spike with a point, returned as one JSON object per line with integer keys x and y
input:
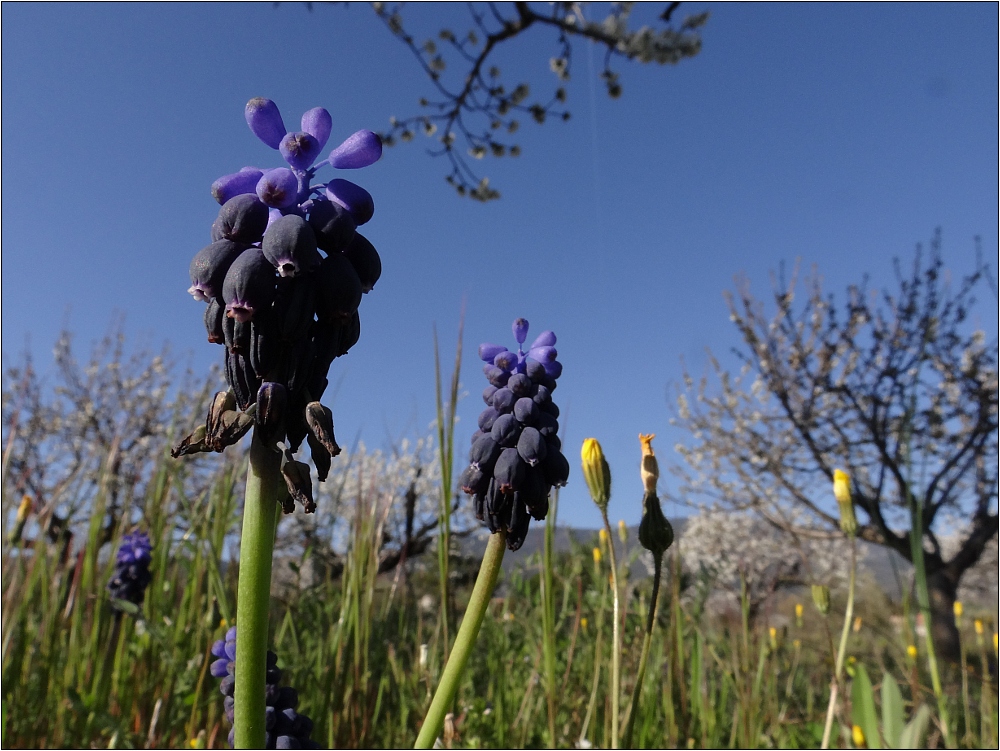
{"x": 285, "y": 728}
{"x": 283, "y": 279}
{"x": 515, "y": 457}
{"x": 131, "y": 575}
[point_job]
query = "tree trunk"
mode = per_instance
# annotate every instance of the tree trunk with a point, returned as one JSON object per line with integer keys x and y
{"x": 943, "y": 592}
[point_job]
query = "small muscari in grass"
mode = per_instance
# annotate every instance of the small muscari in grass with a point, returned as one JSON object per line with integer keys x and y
{"x": 282, "y": 281}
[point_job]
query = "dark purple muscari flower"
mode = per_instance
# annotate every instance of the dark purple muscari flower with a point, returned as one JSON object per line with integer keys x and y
{"x": 131, "y": 575}
{"x": 516, "y": 458}
{"x": 285, "y": 728}
{"x": 283, "y": 280}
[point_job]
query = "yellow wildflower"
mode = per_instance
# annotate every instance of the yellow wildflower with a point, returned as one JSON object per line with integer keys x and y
{"x": 911, "y": 651}
{"x": 957, "y": 607}
{"x": 858, "y": 736}
{"x": 978, "y": 623}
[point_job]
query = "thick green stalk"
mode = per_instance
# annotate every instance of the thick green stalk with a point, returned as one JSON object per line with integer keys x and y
{"x": 616, "y": 635}
{"x": 464, "y": 641}
{"x": 841, "y": 651}
{"x": 644, "y": 657}
{"x": 260, "y": 510}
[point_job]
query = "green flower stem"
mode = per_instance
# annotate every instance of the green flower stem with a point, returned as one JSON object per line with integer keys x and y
{"x": 616, "y": 634}
{"x": 923, "y": 601}
{"x": 842, "y": 650}
{"x": 264, "y": 487}
{"x": 441, "y": 704}
{"x": 633, "y": 707}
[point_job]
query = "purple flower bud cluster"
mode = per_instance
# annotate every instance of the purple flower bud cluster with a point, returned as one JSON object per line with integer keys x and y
{"x": 131, "y": 575}
{"x": 284, "y": 274}
{"x": 516, "y": 458}
{"x": 284, "y": 727}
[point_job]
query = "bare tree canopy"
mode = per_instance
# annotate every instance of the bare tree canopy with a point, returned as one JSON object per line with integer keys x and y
{"x": 474, "y": 113}
{"x": 895, "y": 388}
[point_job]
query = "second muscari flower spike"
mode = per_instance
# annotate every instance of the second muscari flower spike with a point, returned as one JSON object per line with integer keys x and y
{"x": 516, "y": 456}
{"x": 131, "y": 574}
{"x": 283, "y": 279}
{"x": 285, "y": 727}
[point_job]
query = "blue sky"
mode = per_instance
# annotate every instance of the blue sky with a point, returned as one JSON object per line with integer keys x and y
{"x": 840, "y": 135}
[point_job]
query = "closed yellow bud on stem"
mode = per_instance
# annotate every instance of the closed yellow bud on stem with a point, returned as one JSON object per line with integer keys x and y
{"x": 842, "y": 492}
{"x": 622, "y": 531}
{"x": 597, "y": 556}
{"x": 911, "y": 651}
{"x": 596, "y": 472}
{"x": 957, "y": 607}
{"x": 978, "y": 623}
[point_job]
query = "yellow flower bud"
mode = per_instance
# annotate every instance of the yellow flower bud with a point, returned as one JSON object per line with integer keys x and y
{"x": 911, "y": 651}
{"x": 597, "y": 556}
{"x": 23, "y": 510}
{"x": 772, "y": 634}
{"x": 821, "y": 598}
{"x": 858, "y": 736}
{"x": 978, "y": 623}
{"x": 649, "y": 470}
{"x": 602, "y": 536}
{"x": 842, "y": 492}
{"x": 957, "y": 607}
{"x": 798, "y": 610}
{"x": 583, "y": 624}
{"x": 622, "y": 531}
{"x": 596, "y": 472}
{"x": 996, "y": 644}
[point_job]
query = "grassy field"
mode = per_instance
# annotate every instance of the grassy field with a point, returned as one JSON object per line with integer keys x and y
{"x": 364, "y": 651}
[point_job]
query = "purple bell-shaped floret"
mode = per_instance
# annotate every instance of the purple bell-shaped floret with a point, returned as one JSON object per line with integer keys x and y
{"x": 290, "y": 245}
{"x": 265, "y": 121}
{"x": 249, "y": 285}
{"x": 299, "y": 150}
{"x": 318, "y": 123}
{"x": 238, "y": 183}
{"x": 352, "y": 197}
{"x": 278, "y": 188}
{"x": 362, "y": 149}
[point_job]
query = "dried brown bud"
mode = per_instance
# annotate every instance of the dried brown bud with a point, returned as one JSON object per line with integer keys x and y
{"x": 320, "y": 422}
{"x": 299, "y": 483}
